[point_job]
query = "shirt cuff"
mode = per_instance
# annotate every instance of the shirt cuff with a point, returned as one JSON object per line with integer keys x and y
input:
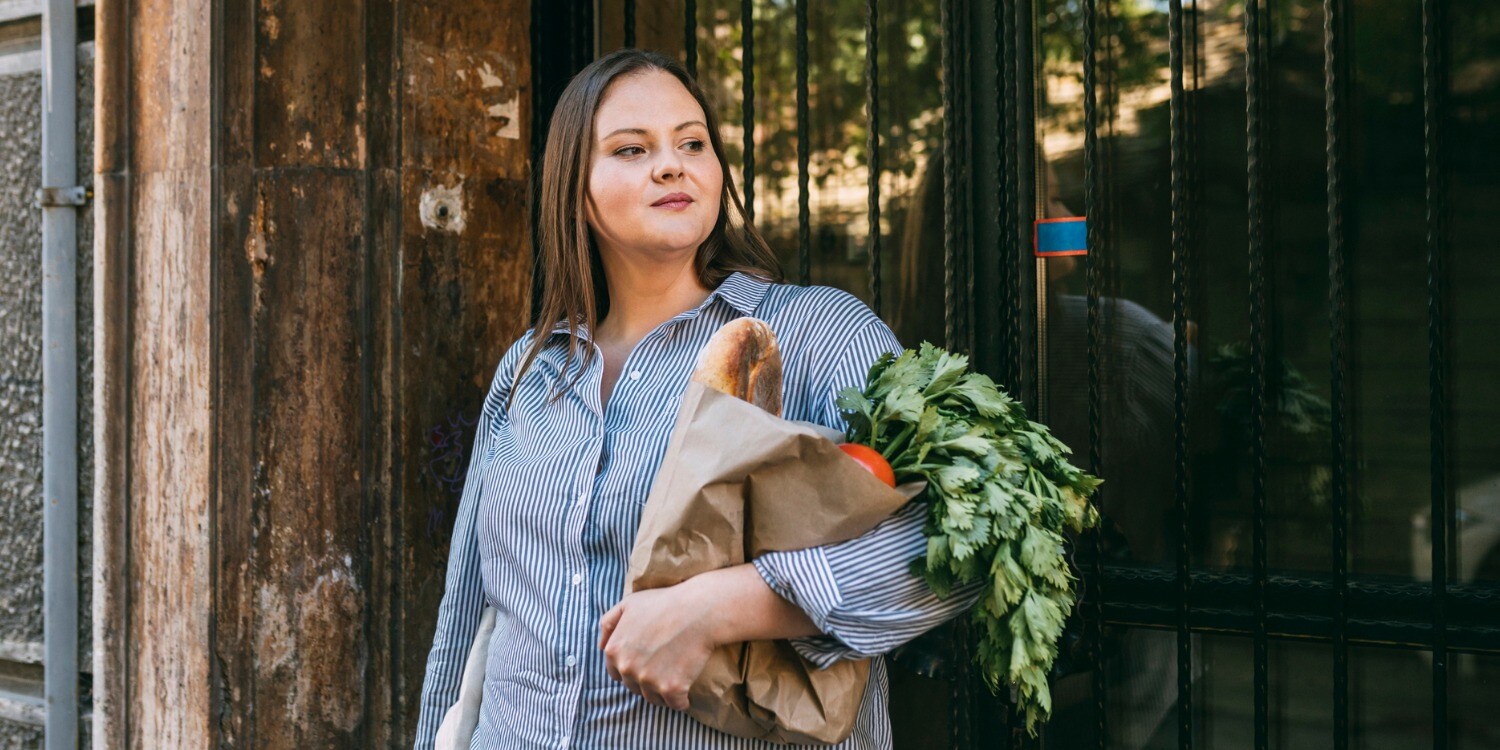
{"x": 823, "y": 651}
{"x": 803, "y": 578}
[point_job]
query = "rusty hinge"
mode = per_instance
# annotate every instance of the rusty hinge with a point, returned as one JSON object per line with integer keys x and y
{"x": 78, "y": 195}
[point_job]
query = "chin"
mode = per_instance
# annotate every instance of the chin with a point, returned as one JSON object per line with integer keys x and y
{"x": 670, "y": 242}
{"x": 667, "y": 247}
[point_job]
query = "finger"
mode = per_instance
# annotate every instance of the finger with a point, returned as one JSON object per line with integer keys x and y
{"x": 631, "y": 684}
{"x": 607, "y": 624}
{"x": 652, "y": 696}
{"x": 609, "y": 666}
{"x": 678, "y": 700}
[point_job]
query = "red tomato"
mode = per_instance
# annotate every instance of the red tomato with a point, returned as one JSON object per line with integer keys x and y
{"x": 872, "y": 461}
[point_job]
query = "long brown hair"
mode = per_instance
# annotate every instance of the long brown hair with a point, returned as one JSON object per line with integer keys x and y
{"x": 573, "y": 285}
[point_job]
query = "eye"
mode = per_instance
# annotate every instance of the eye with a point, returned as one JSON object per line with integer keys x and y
{"x": 629, "y": 151}
{"x": 695, "y": 145}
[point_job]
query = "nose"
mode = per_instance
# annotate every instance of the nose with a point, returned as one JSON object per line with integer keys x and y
{"x": 668, "y": 166}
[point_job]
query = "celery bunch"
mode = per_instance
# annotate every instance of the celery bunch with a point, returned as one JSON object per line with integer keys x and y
{"x": 1001, "y": 494}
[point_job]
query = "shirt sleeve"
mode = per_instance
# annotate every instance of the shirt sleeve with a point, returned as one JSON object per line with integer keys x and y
{"x": 861, "y": 593}
{"x": 463, "y": 595}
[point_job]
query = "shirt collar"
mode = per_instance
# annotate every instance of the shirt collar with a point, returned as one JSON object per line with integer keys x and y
{"x": 740, "y": 291}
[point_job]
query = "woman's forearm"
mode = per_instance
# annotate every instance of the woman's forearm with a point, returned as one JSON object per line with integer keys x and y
{"x": 741, "y": 607}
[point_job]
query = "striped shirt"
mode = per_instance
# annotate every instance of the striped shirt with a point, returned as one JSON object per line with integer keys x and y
{"x": 553, "y": 499}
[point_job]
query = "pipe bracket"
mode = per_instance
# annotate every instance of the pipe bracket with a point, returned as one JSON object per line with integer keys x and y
{"x": 77, "y": 195}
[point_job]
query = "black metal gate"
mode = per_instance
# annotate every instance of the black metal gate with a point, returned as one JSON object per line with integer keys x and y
{"x": 1276, "y": 351}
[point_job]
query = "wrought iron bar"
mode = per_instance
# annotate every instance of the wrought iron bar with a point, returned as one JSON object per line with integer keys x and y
{"x": 1020, "y": 120}
{"x": 872, "y": 144}
{"x": 1334, "y": 39}
{"x": 958, "y": 697}
{"x": 1255, "y": 162}
{"x": 629, "y": 23}
{"x": 690, "y": 34}
{"x": 951, "y": 325}
{"x": 1093, "y": 244}
{"x": 747, "y": 106}
{"x": 1179, "y": 188}
{"x": 1435, "y": 200}
{"x": 1010, "y": 272}
{"x": 804, "y": 218}
{"x": 1008, "y": 311}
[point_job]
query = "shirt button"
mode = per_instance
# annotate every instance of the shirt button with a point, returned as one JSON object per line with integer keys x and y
{"x": 564, "y": 744}
{"x": 570, "y": 661}
{"x": 583, "y": 497}
{"x": 635, "y": 374}
{"x": 577, "y": 578}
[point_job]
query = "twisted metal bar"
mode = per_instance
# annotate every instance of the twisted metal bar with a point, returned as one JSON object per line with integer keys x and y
{"x": 1255, "y": 60}
{"x": 690, "y": 34}
{"x": 1010, "y": 271}
{"x": 1091, "y": 261}
{"x": 1179, "y": 188}
{"x": 804, "y": 219}
{"x": 1333, "y": 87}
{"x": 747, "y": 106}
{"x": 958, "y": 725}
{"x": 629, "y": 23}
{"x": 872, "y": 144}
{"x": 952, "y": 328}
{"x": 1433, "y": 92}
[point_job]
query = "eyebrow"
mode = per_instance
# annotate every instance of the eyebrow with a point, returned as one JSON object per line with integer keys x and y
{"x": 639, "y": 131}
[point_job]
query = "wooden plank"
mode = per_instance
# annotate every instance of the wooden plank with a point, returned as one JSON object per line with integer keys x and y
{"x": 310, "y": 525}
{"x": 463, "y": 295}
{"x": 467, "y": 82}
{"x": 170, "y": 91}
{"x": 111, "y": 289}
{"x": 309, "y": 93}
{"x": 111, "y": 516}
{"x": 169, "y": 462}
{"x": 237, "y": 507}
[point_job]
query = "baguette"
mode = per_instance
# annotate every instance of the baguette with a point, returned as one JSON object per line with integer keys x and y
{"x": 743, "y": 360}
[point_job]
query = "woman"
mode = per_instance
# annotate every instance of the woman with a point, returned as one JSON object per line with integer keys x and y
{"x": 646, "y": 252}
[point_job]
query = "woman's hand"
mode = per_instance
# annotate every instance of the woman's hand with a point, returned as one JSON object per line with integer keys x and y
{"x": 658, "y": 641}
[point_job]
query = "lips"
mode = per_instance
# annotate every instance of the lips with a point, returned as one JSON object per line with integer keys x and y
{"x": 673, "y": 200}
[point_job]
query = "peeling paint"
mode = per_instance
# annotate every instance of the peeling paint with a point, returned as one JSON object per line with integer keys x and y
{"x": 488, "y": 78}
{"x": 274, "y": 645}
{"x": 508, "y": 113}
{"x": 442, "y": 209}
{"x": 272, "y": 26}
{"x": 294, "y": 631}
{"x": 326, "y": 611}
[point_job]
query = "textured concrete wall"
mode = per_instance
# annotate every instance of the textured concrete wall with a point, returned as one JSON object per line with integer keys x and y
{"x": 20, "y": 362}
{"x": 21, "y": 388}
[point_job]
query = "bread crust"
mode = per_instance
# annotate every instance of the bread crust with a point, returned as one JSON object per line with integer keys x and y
{"x": 743, "y": 360}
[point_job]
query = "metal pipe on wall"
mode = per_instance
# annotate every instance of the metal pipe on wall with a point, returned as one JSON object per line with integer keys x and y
{"x": 59, "y": 199}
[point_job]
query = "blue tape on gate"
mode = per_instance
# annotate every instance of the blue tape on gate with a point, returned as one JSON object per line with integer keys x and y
{"x": 1056, "y": 237}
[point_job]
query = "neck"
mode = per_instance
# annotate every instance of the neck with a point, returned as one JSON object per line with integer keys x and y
{"x": 642, "y": 295}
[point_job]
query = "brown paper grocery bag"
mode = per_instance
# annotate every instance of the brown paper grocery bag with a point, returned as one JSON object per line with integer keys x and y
{"x": 737, "y": 482}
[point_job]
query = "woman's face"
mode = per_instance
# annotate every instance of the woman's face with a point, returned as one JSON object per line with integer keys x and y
{"x": 655, "y": 184}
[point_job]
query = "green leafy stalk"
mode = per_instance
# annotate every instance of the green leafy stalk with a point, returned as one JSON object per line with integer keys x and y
{"x": 1001, "y": 498}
